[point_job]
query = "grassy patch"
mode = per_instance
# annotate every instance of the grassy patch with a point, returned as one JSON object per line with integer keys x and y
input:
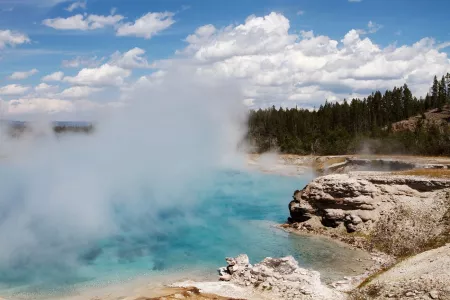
{"x": 436, "y": 173}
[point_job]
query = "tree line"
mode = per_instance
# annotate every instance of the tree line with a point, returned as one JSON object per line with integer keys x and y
{"x": 357, "y": 125}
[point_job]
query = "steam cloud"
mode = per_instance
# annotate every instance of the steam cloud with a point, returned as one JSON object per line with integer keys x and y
{"x": 60, "y": 196}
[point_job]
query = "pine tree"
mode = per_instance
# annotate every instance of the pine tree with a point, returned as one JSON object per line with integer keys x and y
{"x": 442, "y": 93}
{"x": 435, "y": 93}
{"x": 407, "y": 102}
{"x": 337, "y": 127}
{"x": 447, "y": 78}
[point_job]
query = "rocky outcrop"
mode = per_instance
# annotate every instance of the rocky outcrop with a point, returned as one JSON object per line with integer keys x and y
{"x": 357, "y": 200}
{"x": 280, "y": 277}
{"x": 424, "y": 276}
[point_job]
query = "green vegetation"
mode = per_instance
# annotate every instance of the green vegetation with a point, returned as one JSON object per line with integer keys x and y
{"x": 358, "y": 125}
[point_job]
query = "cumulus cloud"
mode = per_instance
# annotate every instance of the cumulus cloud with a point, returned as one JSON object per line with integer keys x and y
{"x": 23, "y": 75}
{"x": 12, "y": 38}
{"x": 57, "y": 76}
{"x": 45, "y": 88}
{"x": 130, "y": 60}
{"x": 78, "y": 92}
{"x": 13, "y": 89}
{"x": 105, "y": 75}
{"x": 148, "y": 25}
{"x": 277, "y": 66}
{"x": 82, "y": 62}
{"x": 77, "y": 5}
{"x": 83, "y": 22}
{"x": 259, "y": 35}
{"x": 36, "y": 105}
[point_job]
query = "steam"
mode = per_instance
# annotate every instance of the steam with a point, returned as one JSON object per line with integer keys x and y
{"x": 60, "y": 196}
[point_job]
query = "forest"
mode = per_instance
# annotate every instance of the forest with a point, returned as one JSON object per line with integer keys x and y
{"x": 359, "y": 126}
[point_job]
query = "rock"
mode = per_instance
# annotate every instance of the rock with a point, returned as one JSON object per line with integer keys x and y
{"x": 281, "y": 276}
{"x": 242, "y": 260}
{"x": 415, "y": 277}
{"x": 225, "y": 277}
{"x": 366, "y": 215}
{"x": 222, "y": 271}
{"x": 333, "y": 217}
{"x": 359, "y": 200}
{"x": 300, "y": 211}
{"x": 356, "y": 219}
{"x": 351, "y": 227}
{"x": 434, "y": 294}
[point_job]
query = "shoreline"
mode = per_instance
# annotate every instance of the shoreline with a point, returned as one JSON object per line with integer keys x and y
{"x": 153, "y": 287}
{"x": 198, "y": 287}
{"x": 380, "y": 260}
{"x": 401, "y": 208}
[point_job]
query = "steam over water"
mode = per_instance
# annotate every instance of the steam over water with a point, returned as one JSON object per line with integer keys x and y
{"x": 233, "y": 214}
{"x": 159, "y": 187}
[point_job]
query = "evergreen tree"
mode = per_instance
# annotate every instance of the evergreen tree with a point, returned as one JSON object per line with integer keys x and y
{"x": 338, "y": 127}
{"x": 435, "y": 93}
{"x": 442, "y": 93}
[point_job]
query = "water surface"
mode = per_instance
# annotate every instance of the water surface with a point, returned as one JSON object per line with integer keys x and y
{"x": 236, "y": 214}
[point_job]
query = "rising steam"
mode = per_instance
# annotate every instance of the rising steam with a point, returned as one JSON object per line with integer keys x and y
{"x": 60, "y": 196}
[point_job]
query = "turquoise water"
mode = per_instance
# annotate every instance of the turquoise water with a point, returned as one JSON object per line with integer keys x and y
{"x": 234, "y": 215}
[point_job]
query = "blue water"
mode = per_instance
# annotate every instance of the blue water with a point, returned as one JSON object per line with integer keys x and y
{"x": 235, "y": 216}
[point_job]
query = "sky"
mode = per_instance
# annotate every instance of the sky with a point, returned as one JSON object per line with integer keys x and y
{"x": 73, "y": 57}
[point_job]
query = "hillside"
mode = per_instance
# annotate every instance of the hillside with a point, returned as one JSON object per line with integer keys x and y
{"x": 433, "y": 117}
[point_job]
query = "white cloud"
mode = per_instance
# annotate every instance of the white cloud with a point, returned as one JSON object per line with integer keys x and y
{"x": 78, "y": 92}
{"x": 300, "y": 13}
{"x": 82, "y": 62}
{"x": 12, "y": 38}
{"x": 374, "y": 27}
{"x": 130, "y": 60}
{"x": 257, "y": 36}
{"x": 77, "y": 5}
{"x": 23, "y": 75}
{"x": 57, "y": 76}
{"x": 275, "y": 66}
{"x": 105, "y": 75}
{"x": 45, "y": 88}
{"x": 83, "y": 22}
{"x": 147, "y": 26}
{"x": 13, "y": 90}
{"x": 96, "y": 21}
{"x": 77, "y": 22}
{"x": 37, "y": 105}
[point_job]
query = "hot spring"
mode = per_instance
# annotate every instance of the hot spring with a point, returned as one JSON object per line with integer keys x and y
{"x": 234, "y": 214}
{"x": 158, "y": 188}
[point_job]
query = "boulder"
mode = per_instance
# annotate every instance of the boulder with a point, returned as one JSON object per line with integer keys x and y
{"x": 281, "y": 276}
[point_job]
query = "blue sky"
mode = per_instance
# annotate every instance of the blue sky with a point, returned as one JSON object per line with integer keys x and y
{"x": 394, "y": 23}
